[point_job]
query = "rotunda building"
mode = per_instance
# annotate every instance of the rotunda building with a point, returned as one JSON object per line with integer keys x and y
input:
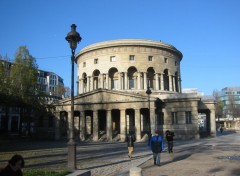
{"x": 129, "y": 65}
{"x": 132, "y": 86}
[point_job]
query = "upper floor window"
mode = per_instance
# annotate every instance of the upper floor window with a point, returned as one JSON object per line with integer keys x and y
{"x": 131, "y": 83}
{"x": 150, "y": 58}
{"x": 175, "y": 63}
{"x": 84, "y": 64}
{"x": 95, "y": 61}
{"x": 112, "y": 58}
{"x": 131, "y": 58}
{"x": 114, "y": 84}
{"x": 166, "y": 60}
{"x": 174, "y": 118}
{"x": 188, "y": 116}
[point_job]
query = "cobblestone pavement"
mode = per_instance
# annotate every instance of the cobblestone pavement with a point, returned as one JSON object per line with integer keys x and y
{"x": 219, "y": 156}
{"x": 103, "y": 158}
{"x": 196, "y": 157}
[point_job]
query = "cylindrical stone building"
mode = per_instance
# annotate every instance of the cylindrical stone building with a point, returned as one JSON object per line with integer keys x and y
{"x": 132, "y": 86}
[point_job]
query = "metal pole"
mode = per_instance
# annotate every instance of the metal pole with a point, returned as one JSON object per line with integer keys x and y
{"x": 149, "y": 111}
{"x": 72, "y": 143}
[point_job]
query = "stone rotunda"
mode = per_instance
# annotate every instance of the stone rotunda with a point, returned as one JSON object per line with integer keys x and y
{"x": 112, "y": 80}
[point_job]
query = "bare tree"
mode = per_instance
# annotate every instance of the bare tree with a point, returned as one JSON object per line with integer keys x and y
{"x": 233, "y": 108}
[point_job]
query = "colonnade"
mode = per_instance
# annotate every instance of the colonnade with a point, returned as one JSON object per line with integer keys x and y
{"x": 135, "y": 121}
{"x": 139, "y": 81}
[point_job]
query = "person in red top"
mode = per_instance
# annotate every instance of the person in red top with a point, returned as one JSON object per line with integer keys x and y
{"x": 14, "y": 167}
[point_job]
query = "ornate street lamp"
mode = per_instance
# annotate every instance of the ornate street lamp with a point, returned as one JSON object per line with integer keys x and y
{"x": 73, "y": 39}
{"x": 148, "y": 92}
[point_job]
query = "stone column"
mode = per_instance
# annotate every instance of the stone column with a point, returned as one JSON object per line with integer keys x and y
{"x": 123, "y": 128}
{"x": 137, "y": 124}
{"x": 82, "y": 125}
{"x": 107, "y": 81}
{"x": 125, "y": 81}
{"x": 95, "y": 126}
{"x": 170, "y": 82}
{"x": 119, "y": 81}
{"x": 57, "y": 125}
{"x": 88, "y": 84}
{"x": 138, "y": 80}
{"x": 101, "y": 81}
{"x": 157, "y": 81}
{"x": 212, "y": 123}
{"x": 109, "y": 125}
{"x": 78, "y": 86}
{"x": 145, "y": 80}
{"x": 162, "y": 82}
{"x": 91, "y": 83}
{"x": 174, "y": 85}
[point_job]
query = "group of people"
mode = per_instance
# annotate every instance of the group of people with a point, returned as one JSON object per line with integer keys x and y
{"x": 14, "y": 166}
{"x": 155, "y": 143}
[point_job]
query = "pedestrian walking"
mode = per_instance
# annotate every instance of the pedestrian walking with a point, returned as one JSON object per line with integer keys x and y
{"x": 221, "y": 129}
{"x": 157, "y": 146}
{"x": 169, "y": 138}
{"x": 130, "y": 143}
{"x": 14, "y": 167}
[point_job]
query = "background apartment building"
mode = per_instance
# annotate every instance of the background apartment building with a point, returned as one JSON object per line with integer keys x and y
{"x": 50, "y": 84}
{"x": 230, "y": 96}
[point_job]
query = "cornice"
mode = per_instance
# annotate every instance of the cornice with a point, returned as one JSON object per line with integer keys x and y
{"x": 129, "y": 42}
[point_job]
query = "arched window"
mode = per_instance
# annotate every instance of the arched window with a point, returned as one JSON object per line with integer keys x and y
{"x": 132, "y": 75}
{"x": 113, "y": 75}
{"x": 150, "y": 77}
{"x": 166, "y": 80}
{"x": 96, "y": 74}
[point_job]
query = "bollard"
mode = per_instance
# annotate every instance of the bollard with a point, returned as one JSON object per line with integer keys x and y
{"x": 135, "y": 171}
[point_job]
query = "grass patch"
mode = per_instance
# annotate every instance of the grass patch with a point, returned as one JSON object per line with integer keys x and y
{"x": 41, "y": 172}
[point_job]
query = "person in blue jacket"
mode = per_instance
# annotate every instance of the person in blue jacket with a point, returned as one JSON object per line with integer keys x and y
{"x": 157, "y": 145}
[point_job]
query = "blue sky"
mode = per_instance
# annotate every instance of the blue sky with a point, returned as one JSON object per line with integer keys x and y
{"x": 205, "y": 31}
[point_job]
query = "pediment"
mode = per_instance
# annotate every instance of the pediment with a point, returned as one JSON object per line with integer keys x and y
{"x": 108, "y": 96}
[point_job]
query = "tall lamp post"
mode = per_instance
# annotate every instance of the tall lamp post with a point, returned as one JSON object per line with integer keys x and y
{"x": 73, "y": 39}
{"x": 148, "y": 92}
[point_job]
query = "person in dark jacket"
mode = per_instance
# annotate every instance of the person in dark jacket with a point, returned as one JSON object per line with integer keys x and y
{"x": 157, "y": 146}
{"x": 169, "y": 138}
{"x": 14, "y": 167}
{"x": 130, "y": 143}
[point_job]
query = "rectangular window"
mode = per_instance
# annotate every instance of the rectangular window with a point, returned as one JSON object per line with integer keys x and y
{"x": 84, "y": 64}
{"x": 131, "y": 84}
{"x": 131, "y": 57}
{"x": 95, "y": 61}
{"x": 150, "y": 58}
{"x": 165, "y": 60}
{"x": 174, "y": 118}
{"x": 115, "y": 84}
{"x": 112, "y": 58}
{"x": 188, "y": 116}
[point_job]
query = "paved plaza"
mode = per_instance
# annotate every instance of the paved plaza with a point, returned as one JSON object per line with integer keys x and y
{"x": 211, "y": 156}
